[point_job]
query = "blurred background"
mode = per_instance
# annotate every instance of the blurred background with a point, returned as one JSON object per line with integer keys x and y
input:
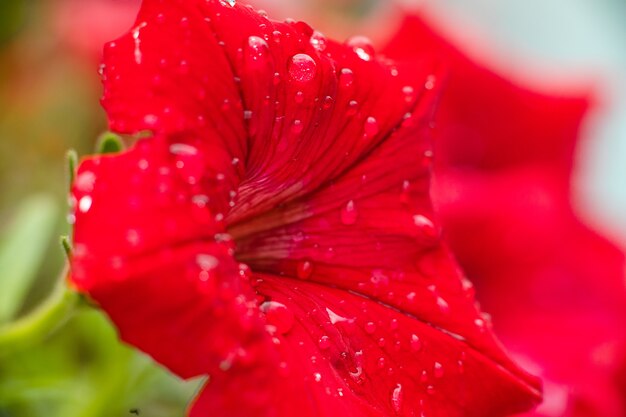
{"x": 59, "y": 357}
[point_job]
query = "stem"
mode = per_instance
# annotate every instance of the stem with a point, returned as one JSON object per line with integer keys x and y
{"x": 42, "y": 322}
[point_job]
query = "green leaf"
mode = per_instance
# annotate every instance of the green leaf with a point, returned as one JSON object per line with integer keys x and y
{"x": 32, "y": 329}
{"x": 22, "y": 249}
{"x": 71, "y": 158}
{"x": 109, "y": 142}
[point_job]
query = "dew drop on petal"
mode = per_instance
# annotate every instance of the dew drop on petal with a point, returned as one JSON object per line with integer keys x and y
{"x": 370, "y": 327}
{"x": 396, "y": 398}
{"x": 299, "y": 98}
{"x": 318, "y": 41}
{"x": 85, "y": 181}
{"x": 443, "y": 305}
{"x": 349, "y": 214}
{"x": 362, "y": 46}
{"x": 84, "y": 204}
{"x": 409, "y": 94}
{"x": 430, "y": 82}
{"x": 257, "y": 50}
{"x": 438, "y": 370}
{"x": 327, "y": 103}
{"x": 304, "y": 270}
{"x": 425, "y": 224}
{"x": 297, "y": 127}
{"x": 324, "y": 342}
{"x": 371, "y": 127}
{"x": 346, "y": 78}
{"x": 132, "y": 237}
{"x": 278, "y": 315}
{"x": 353, "y": 107}
{"x": 302, "y": 68}
{"x": 277, "y": 36}
{"x": 416, "y": 343}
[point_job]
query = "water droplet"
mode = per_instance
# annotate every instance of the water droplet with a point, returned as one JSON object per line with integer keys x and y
{"x": 257, "y": 50}
{"x": 409, "y": 93}
{"x": 84, "y": 204}
{"x": 480, "y": 323}
{"x": 349, "y": 214}
{"x": 299, "y": 97}
{"x": 297, "y": 127}
{"x": 132, "y": 237}
{"x": 353, "y": 106}
{"x": 371, "y": 127}
{"x": 304, "y": 270}
{"x": 277, "y": 36}
{"x": 416, "y": 343}
{"x": 335, "y": 318}
{"x": 317, "y": 377}
{"x": 324, "y": 342}
{"x": 362, "y": 46}
{"x": 346, "y": 78}
{"x": 302, "y": 68}
{"x": 85, "y": 181}
{"x": 318, "y": 41}
{"x": 207, "y": 262}
{"x": 438, "y": 370}
{"x": 425, "y": 224}
{"x": 430, "y": 82}
{"x": 381, "y": 362}
{"x": 370, "y": 327}
{"x": 443, "y": 305}
{"x": 460, "y": 365}
{"x": 327, "y": 103}
{"x": 247, "y": 114}
{"x": 277, "y": 315}
{"x": 396, "y": 398}
{"x": 136, "y": 33}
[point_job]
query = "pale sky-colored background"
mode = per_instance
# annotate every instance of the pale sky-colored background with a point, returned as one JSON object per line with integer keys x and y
{"x": 563, "y": 40}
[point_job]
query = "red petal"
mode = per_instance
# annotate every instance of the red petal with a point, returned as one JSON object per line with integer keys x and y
{"x": 486, "y": 121}
{"x": 236, "y": 152}
{"x": 555, "y": 287}
{"x": 347, "y": 355}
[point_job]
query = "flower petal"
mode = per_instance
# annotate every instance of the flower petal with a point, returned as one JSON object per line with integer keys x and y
{"x": 347, "y": 355}
{"x": 487, "y": 121}
{"x": 265, "y": 148}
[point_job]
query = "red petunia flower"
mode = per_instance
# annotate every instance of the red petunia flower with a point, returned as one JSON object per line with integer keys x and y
{"x": 502, "y": 185}
{"x": 275, "y": 232}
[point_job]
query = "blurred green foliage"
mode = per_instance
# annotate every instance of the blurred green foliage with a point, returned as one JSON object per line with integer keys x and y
{"x": 59, "y": 357}
{"x": 12, "y": 15}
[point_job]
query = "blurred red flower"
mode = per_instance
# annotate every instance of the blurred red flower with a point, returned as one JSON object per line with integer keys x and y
{"x": 275, "y": 231}
{"x": 85, "y": 25}
{"x": 502, "y": 186}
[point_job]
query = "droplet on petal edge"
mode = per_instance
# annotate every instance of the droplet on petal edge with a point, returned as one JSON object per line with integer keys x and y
{"x": 257, "y": 50}
{"x": 302, "y": 68}
{"x": 318, "y": 41}
{"x": 361, "y": 46}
